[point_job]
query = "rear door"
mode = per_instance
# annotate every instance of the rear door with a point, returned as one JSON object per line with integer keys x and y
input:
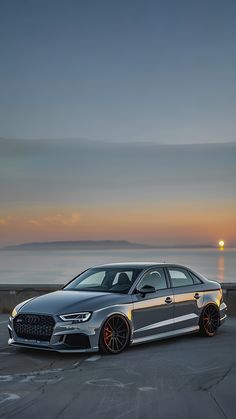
{"x": 188, "y": 298}
{"x": 153, "y": 312}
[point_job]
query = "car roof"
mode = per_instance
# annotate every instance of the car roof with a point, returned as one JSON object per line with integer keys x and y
{"x": 139, "y": 265}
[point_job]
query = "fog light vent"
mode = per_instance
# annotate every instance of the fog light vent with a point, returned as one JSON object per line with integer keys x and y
{"x": 77, "y": 340}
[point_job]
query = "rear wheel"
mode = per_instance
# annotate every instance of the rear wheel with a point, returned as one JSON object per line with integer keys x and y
{"x": 209, "y": 321}
{"x": 115, "y": 335}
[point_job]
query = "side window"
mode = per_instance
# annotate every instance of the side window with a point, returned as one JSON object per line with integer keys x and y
{"x": 155, "y": 278}
{"x": 180, "y": 278}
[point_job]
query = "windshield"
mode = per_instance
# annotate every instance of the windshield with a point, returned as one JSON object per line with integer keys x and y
{"x": 105, "y": 280}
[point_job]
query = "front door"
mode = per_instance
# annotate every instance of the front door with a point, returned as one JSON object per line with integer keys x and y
{"x": 153, "y": 312}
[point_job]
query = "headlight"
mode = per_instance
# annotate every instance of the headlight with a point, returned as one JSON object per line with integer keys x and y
{"x": 14, "y": 313}
{"x": 76, "y": 317}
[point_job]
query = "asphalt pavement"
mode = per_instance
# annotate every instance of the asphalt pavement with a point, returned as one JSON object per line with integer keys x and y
{"x": 179, "y": 378}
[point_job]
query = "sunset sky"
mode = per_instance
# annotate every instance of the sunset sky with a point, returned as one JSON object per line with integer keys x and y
{"x": 163, "y": 194}
{"x": 117, "y": 121}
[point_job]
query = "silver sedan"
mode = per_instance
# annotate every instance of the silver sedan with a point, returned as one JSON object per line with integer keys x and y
{"x": 112, "y": 306}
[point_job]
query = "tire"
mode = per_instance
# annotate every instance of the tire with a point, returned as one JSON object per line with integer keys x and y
{"x": 115, "y": 335}
{"x": 209, "y": 321}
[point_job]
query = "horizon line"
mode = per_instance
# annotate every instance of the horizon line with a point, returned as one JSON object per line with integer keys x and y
{"x": 121, "y": 141}
{"x": 122, "y": 241}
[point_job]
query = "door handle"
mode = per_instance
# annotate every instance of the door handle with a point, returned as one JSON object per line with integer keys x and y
{"x": 168, "y": 300}
{"x": 197, "y": 296}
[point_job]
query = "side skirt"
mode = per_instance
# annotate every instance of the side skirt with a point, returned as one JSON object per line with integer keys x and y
{"x": 165, "y": 335}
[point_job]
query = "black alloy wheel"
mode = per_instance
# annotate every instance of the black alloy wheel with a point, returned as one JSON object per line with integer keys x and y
{"x": 209, "y": 321}
{"x": 115, "y": 335}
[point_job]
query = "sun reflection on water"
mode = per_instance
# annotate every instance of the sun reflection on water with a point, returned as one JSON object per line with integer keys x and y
{"x": 221, "y": 267}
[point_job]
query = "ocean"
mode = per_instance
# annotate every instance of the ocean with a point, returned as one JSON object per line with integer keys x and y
{"x": 58, "y": 267}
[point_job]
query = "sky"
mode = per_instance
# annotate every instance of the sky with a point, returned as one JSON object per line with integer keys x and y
{"x": 157, "y": 70}
{"x": 117, "y": 121}
{"x": 143, "y": 192}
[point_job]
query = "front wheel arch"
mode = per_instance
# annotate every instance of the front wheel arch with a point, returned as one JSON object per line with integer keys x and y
{"x": 102, "y": 346}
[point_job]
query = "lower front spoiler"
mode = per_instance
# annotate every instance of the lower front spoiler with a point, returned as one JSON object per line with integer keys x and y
{"x": 48, "y": 347}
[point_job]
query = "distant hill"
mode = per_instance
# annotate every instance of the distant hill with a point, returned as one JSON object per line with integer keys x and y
{"x": 79, "y": 245}
{"x": 99, "y": 244}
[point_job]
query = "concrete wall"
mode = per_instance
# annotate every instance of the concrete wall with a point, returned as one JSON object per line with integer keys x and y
{"x": 229, "y": 291}
{"x": 11, "y": 295}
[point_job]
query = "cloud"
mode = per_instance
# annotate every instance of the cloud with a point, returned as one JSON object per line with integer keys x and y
{"x": 34, "y": 222}
{"x": 4, "y": 221}
{"x": 62, "y": 219}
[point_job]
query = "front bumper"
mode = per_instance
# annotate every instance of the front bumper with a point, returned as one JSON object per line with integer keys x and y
{"x": 66, "y": 337}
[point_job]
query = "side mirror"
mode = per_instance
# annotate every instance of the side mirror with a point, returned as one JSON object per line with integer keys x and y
{"x": 147, "y": 289}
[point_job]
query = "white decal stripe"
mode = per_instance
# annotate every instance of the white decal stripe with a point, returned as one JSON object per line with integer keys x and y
{"x": 165, "y": 334}
{"x": 167, "y": 322}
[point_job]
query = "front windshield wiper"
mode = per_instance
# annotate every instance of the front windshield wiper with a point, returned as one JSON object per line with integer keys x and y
{"x": 86, "y": 289}
{"x": 95, "y": 290}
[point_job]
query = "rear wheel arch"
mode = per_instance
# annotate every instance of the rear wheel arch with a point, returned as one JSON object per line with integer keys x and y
{"x": 209, "y": 303}
{"x": 209, "y": 319}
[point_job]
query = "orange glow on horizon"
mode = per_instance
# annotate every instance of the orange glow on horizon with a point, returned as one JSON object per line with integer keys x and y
{"x": 165, "y": 223}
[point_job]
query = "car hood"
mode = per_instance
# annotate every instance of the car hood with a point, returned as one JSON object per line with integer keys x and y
{"x": 62, "y": 302}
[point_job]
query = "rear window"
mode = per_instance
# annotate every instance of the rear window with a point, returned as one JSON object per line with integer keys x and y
{"x": 196, "y": 280}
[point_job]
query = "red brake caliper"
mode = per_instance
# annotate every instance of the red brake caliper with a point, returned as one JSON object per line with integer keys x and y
{"x": 107, "y": 334}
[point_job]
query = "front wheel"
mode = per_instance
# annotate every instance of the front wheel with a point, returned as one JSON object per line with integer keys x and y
{"x": 115, "y": 335}
{"x": 209, "y": 321}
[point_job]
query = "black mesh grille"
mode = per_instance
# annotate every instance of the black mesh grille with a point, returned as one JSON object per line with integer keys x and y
{"x": 34, "y": 326}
